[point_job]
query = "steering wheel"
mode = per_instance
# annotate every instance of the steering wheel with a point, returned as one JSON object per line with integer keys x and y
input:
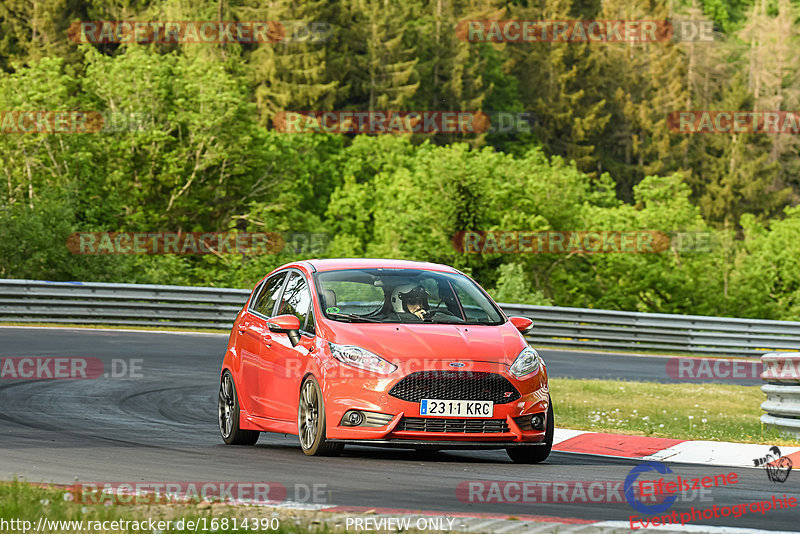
{"x": 434, "y": 312}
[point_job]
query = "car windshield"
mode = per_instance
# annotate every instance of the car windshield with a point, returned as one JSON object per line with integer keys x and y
{"x": 404, "y": 296}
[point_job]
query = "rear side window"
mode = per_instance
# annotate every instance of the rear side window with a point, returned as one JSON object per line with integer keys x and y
{"x": 265, "y": 302}
{"x": 310, "y": 327}
{"x": 296, "y": 299}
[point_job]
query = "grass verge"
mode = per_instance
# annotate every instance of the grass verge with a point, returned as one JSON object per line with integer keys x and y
{"x": 711, "y": 412}
{"x": 20, "y": 501}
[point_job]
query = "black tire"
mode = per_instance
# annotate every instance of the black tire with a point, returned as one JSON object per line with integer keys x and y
{"x": 228, "y": 415}
{"x": 536, "y": 453}
{"x": 311, "y": 421}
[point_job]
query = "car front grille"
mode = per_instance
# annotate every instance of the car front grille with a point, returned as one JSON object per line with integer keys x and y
{"x": 455, "y": 385}
{"x": 437, "y": 424}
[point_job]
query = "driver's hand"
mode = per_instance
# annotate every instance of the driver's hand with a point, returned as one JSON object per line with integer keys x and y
{"x": 421, "y": 313}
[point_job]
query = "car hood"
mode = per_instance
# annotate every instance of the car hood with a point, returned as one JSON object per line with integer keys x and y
{"x": 404, "y": 342}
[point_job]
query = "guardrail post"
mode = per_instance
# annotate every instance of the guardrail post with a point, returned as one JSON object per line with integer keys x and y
{"x": 782, "y": 376}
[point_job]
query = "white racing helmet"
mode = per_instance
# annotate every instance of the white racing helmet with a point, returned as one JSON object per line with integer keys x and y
{"x": 408, "y": 292}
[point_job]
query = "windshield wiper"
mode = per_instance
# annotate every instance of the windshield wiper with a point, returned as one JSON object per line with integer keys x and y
{"x": 450, "y": 320}
{"x": 354, "y": 318}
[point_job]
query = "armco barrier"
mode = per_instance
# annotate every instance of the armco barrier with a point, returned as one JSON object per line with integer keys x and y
{"x": 202, "y": 307}
{"x": 606, "y": 329}
{"x": 782, "y": 377}
{"x": 119, "y": 304}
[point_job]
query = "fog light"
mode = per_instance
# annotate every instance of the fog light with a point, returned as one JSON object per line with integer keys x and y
{"x": 365, "y": 419}
{"x": 353, "y": 418}
{"x": 537, "y": 422}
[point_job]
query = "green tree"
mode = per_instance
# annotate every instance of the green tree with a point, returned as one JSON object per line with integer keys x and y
{"x": 766, "y": 282}
{"x": 514, "y": 287}
{"x": 380, "y": 70}
{"x": 570, "y": 115}
{"x": 644, "y": 83}
{"x": 733, "y": 175}
{"x": 34, "y": 29}
{"x": 294, "y": 73}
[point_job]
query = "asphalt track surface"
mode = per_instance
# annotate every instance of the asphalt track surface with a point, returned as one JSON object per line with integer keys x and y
{"x": 161, "y": 427}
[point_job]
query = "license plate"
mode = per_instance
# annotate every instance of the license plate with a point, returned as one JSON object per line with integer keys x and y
{"x": 456, "y": 408}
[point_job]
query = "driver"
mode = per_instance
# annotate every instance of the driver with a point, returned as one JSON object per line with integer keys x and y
{"x": 411, "y": 298}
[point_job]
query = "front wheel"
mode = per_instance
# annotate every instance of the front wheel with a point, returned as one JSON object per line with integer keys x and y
{"x": 228, "y": 415}
{"x": 311, "y": 421}
{"x": 535, "y": 454}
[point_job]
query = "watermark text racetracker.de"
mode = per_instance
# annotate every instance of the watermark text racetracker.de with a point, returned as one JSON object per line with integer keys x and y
{"x": 564, "y": 491}
{"x": 188, "y": 31}
{"x": 73, "y": 122}
{"x": 685, "y": 368}
{"x": 781, "y": 367}
{"x": 200, "y": 31}
{"x": 404, "y": 122}
{"x": 581, "y": 242}
{"x": 734, "y": 122}
{"x": 67, "y": 368}
{"x": 584, "y": 31}
{"x": 197, "y": 242}
{"x": 237, "y": 492}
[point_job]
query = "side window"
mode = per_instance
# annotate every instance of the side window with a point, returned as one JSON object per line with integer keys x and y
{"x": 296, "y": 298}
{"x": 310, "y": 328}
{"x": 265, "y": 302}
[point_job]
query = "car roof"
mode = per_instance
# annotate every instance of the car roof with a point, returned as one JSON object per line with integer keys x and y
{"x": 372, "y": 263}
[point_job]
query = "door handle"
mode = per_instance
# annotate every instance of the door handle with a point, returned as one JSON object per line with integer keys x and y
{"x": 242, "y": 327}
{"x": 267, "y": 339}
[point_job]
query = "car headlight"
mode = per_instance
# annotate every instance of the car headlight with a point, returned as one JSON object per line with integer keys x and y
{"x": 363, "y": 359}
{"x": 526, "y": 363}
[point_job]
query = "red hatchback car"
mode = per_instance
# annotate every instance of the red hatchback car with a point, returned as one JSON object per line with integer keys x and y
{"x": 387, "y": 353}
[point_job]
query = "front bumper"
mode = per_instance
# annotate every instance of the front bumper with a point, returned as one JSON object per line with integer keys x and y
{"x": 371, "y": 394}
{"x": 423, "y": 444}
{"x": 389, "y": 435}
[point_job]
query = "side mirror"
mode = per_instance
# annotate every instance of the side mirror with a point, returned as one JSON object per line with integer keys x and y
{"x": 286, "y": 324}
{"x": 523, "y": 324}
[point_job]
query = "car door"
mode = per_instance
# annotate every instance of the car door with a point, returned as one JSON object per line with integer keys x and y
{"x": 253, "y": 334}
{"x": 289, "y": 363}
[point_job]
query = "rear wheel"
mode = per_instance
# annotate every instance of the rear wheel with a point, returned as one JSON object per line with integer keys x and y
{"x": 228, "y": 410}
{"x": 311, "y": 421}
{"x": 535, "y": 454}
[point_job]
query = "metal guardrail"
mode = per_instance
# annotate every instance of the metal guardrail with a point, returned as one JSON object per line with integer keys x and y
{"x": 202, "y": 307}
{"x": 606, "y": 329}
{"x": 119, "y": 304}
{"x": 782, "y": 377}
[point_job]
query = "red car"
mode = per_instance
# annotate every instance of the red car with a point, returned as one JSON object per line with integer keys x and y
{"x": 383, "y": 352}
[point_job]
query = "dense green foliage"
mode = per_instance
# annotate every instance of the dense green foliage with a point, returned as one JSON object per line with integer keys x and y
{"x": 598, "y": 157}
